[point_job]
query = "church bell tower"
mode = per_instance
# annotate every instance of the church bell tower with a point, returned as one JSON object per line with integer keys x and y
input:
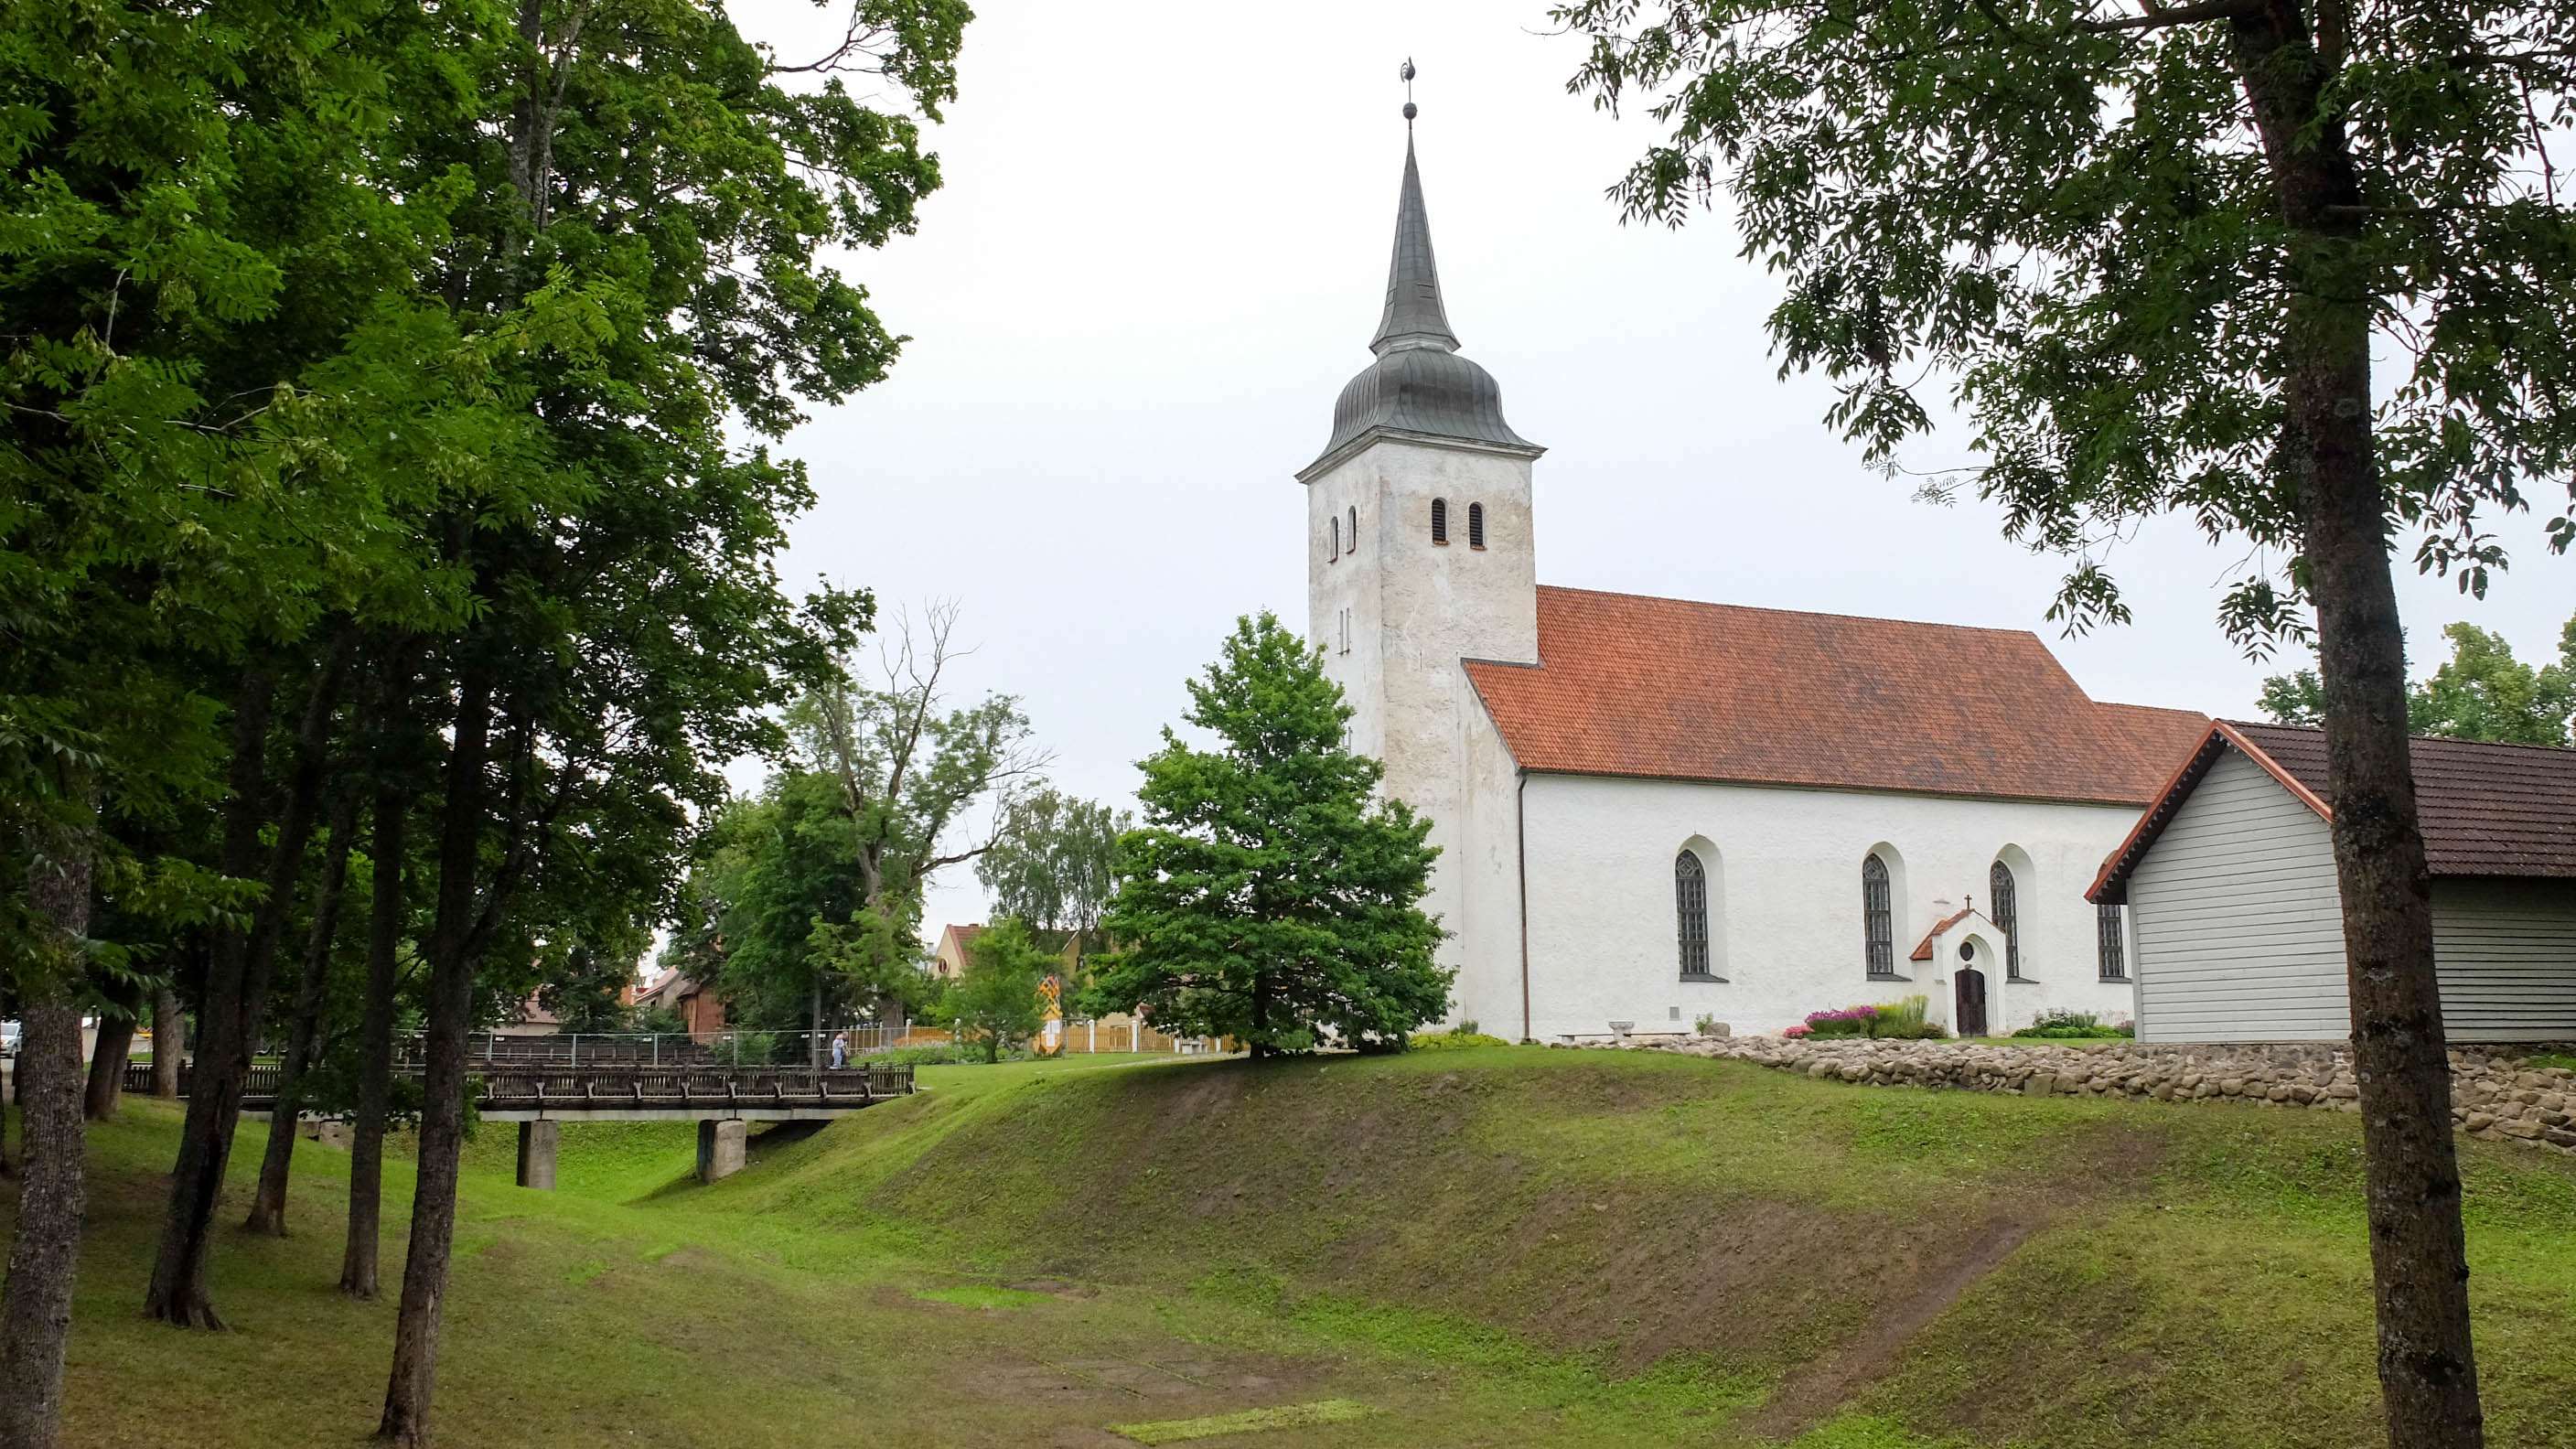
{"x": 1418, "y": 535}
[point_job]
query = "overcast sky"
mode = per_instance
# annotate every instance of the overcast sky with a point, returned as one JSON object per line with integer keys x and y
{"x": 1160, "y": 252}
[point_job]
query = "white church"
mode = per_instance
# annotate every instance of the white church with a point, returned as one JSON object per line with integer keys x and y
{"x": 1654, "y": 811}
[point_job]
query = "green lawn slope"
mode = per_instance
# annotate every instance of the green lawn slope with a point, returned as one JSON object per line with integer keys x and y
{"x": 2050, "y": 1272}
{"x": 1501, "y": 1246}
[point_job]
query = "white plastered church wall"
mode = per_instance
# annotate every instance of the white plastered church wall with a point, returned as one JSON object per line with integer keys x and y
{"x": 1415, "y": 610}
{"x": 1602, "y": 932}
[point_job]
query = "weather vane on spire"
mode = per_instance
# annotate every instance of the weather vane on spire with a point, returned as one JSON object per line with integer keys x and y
{"x": 1408, "y": 93}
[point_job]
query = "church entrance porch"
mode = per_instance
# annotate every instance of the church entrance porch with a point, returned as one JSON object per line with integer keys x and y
{"x": 1968, "y": 984}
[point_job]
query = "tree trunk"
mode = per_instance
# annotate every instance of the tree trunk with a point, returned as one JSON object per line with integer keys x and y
{"x": 268, "y": 1204}
{"x": 412, "y": 1385}
{"x": 169, "y": 1043}
{"x": 1260, "y": 1042}
{"x": 44, "y": 1258}
{"x": 176, "y": 1293}
{"x": 2419, "y": 1264}
{"x": 235, "y": 1000}
{"x": 107, "y": 1068}
{"x": 375, "y": 1046}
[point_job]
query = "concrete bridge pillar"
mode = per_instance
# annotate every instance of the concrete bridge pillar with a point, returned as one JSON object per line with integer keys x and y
{"x": 721, "y": 1148}
{"x": 537, "y": 1144}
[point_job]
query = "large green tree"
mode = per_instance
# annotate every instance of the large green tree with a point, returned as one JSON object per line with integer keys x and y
{"x": 2148, "y": 250}
{"x": 229, "y": 391}
{"x": 1055, "y": 862}
{"x": 2481, "y": 693}
{"x": 911, "y": 771}
{"x": 1268, "y": 897}
{"x": 655, "y": 209}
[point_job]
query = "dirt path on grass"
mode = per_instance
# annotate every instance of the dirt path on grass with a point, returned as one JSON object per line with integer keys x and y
{"x": 1816, "y": 1390}
{"x": 2119, "y": 1165}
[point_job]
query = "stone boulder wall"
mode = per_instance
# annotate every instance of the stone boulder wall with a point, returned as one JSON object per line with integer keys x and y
{"x": 2496, "y": 1096}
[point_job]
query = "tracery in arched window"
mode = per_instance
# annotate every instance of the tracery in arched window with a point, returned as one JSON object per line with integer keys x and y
{"x": 2004, "y": 906}
{"x": 1877, "y": 916}
{"x": 1690, "y": 904}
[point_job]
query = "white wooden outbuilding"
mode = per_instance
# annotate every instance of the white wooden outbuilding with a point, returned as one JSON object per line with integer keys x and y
{"x": 2236, "y": 932}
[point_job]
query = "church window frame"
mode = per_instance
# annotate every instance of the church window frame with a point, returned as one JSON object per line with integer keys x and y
{"x": 1476, "y": 526}
{"x": 2111, "y": 941}
{"x": 2003, "y": 907}
{"x": 1355, "y": 530}
{"x": 1690, "y": 914}
{"x": 1878, "y": 918}
{"x": 1440, "y": 521}
{"x": 1333, "y": 527}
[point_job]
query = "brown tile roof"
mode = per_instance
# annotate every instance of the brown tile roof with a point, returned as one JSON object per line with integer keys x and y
{"x": 1923, "y": 948}
{"x": 2487, "y": 809}
{"x": 1670, "y": 689}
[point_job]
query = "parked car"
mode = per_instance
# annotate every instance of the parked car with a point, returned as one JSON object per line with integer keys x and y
{"x": 10, "y": 1031}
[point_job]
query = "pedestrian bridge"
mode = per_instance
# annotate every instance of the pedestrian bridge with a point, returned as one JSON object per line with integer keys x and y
{"x": 542, "y": 1096}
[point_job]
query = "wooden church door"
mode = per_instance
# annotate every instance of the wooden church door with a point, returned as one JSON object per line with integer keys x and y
{"x": 1971, "y": 1016}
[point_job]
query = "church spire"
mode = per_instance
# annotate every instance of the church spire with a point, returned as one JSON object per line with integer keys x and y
{"x": 1413, "y": 316}
{"x": 1419, "y": 387}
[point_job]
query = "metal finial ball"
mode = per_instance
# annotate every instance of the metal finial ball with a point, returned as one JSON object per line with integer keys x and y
{"x": 1408, "y": 110}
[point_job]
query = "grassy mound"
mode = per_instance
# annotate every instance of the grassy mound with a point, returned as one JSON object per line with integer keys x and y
{"x": 1477, "y": 1246}
{"x": 2059, "y": 1272}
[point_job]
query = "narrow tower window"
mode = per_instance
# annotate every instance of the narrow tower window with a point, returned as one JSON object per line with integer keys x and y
{"x": 2115, "y": 955}
{"x": 1475, "y": 525}
{"x": 1355, "y": 528}
{"x": 2007, "y": 914}
{"x": 1877, "y": 917}
{"x": 1439, "y": 520}
{"x": 1690, "y": 902}
{"x": 1336, "y": 527}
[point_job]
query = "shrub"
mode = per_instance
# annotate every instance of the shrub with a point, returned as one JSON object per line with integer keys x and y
{"x": 1906, "y": 1020}
{"x": 1706, "y": 1025}
{"x": 2064, "y": 1025}
{"x": 1798, "y": 1031}
{"x": 1464, "y": 1034}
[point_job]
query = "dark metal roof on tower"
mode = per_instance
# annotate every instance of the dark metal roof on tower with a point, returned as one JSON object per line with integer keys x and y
{"x": 1413, "y": 316}
{"x": 1419, "y": 386}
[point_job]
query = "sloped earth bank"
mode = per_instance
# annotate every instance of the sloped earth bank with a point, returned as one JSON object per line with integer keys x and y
{"x": 1503, "y": 1246}
{"x": 2058, "y": 1271}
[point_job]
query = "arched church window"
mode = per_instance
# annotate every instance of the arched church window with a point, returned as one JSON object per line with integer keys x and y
{"x": 1877, "y": 916}
{"x": 1336, "y": 527}
{"x": 1439, "y": 520}
{"x": 2005, "y": 907}
{"x": 2115, "y": 955}
{"x": 1355, "y": 528}
{"x": 1690, "y": 902}
{"x": 1475, "y": 525}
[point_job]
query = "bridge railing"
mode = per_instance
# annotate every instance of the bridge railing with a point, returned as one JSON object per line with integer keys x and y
{"x": 524, "y": 1088}
{"x": 518, "y": 1087}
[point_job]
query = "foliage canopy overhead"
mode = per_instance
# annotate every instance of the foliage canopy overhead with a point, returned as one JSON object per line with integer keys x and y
{"x": 2063, "y": 213}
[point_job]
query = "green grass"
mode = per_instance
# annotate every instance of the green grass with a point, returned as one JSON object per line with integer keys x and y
{"x": 980, "y": 1295}
{"x": 1489, "y": 1246}
{"x": 1249, "y": 1421}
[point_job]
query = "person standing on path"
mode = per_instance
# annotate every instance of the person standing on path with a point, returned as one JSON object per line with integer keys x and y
{"x": 840, "y": 1050}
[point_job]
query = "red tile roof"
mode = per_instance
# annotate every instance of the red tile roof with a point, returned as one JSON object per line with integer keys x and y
{"x": 2487, "y": 809}
{"x": 1923, "y": 948}
{"x": 1670, "y": 689}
